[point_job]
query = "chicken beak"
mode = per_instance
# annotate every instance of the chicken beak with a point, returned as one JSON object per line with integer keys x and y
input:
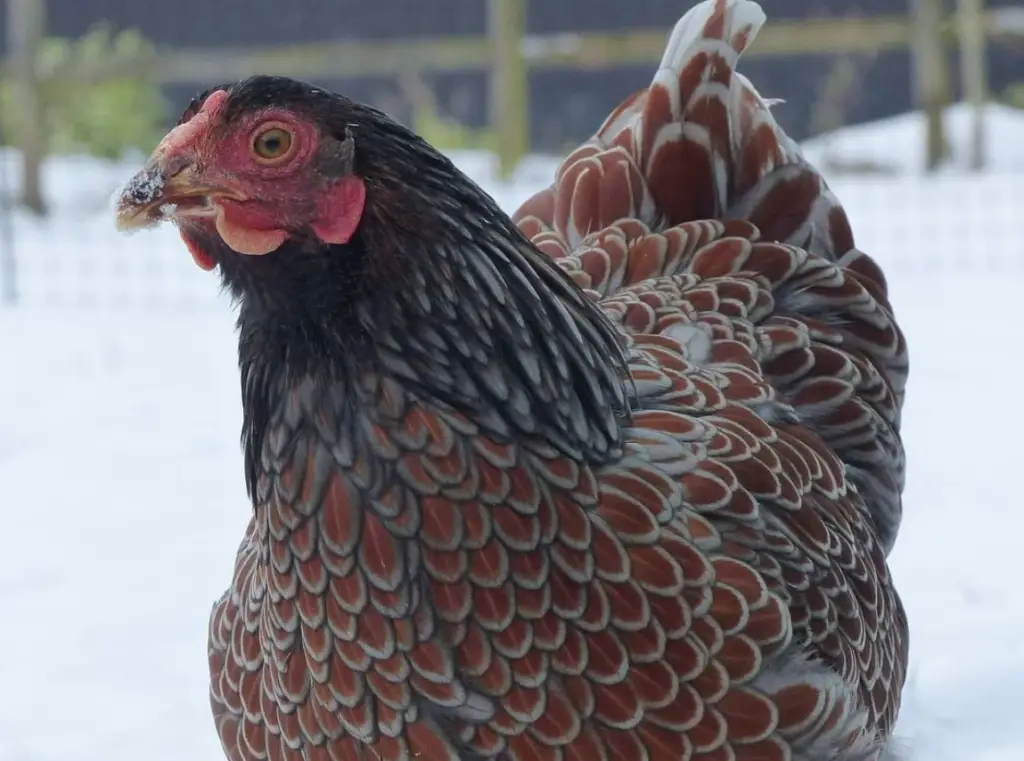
{"x": 156, "y": 195}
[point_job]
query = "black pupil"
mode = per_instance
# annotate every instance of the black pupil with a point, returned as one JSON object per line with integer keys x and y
{"x": 272, "y": 143}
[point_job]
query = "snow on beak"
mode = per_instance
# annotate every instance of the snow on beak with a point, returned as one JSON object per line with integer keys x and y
{"x": 159, "y": 193}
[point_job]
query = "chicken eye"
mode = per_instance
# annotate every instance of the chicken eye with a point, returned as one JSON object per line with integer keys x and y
{"x": 272, "y": 144}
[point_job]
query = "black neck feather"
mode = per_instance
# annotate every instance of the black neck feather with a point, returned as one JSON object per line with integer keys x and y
{"x": 439, "y": 292}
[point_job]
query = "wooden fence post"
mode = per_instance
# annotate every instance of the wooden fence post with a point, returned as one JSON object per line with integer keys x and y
{"x": 974, "y": 72}
{"x": 26, "y": 26}
{"x": 930, "y": 75}
{"x": 8, "y": 243}
{"x": 510, "y": 83}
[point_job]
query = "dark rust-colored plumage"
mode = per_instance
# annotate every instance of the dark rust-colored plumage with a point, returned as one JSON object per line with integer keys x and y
{"x": 477, "y": 536}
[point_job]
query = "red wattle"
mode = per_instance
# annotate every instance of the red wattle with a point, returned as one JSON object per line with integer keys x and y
{"x": 200, "y": 257}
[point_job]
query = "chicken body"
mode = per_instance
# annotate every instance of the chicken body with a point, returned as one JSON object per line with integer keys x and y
{"x": 475, "y": 537}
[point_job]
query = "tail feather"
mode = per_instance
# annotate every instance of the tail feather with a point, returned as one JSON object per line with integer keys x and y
{"x": 699, "y": 143}
{"x": 690, "y": 126}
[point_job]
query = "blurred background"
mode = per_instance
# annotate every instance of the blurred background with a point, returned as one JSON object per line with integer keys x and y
{"x": 124, "y": 499}
{"x": 878, "y": 89}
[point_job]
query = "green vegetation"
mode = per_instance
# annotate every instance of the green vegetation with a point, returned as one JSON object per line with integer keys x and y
{"x": 105, "y": 119}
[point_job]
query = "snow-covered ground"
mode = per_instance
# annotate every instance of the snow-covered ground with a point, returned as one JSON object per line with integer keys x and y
{"x": 123, "y": 497}
{"x": 896, "y": 145}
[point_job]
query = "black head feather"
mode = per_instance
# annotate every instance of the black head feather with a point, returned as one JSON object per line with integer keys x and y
{"x": 438, "y": 291}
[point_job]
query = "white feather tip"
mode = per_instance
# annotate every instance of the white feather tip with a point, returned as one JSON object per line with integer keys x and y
{"x": 689, "y": 30}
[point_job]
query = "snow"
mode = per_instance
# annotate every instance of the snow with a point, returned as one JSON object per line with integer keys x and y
{"x": 124, "y": 499}
{"x": 896, "y": 144}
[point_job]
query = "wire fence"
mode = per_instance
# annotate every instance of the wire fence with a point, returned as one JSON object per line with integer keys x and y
{"x": 951, "y": 226}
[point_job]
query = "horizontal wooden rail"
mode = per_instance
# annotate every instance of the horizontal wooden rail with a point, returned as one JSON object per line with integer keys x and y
{"x": 327, "y": 60}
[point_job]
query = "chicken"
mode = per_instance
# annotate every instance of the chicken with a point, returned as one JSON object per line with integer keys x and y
{"x": 624, "y": 492}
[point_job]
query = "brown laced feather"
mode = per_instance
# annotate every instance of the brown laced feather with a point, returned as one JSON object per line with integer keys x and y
{"x": 719, "y": 154}
{"x": 424, "y": 577}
